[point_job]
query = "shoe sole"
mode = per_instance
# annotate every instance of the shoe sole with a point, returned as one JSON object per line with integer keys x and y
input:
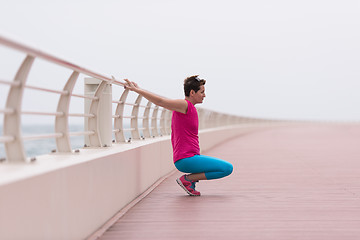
{"x": 183, "y": 187}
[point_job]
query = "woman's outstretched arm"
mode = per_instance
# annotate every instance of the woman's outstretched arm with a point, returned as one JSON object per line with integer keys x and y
{"x": 178, "y": 105}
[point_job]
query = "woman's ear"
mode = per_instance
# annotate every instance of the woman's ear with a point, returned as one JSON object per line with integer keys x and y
{"x": 192, "y": 92}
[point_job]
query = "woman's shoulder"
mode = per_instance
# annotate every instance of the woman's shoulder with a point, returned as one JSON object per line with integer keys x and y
{"x": 191, "y": 108}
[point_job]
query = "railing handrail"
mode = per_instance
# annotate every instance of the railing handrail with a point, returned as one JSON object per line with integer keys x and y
{"x": 98, "y": 114}
{"x": 38, "y": 53}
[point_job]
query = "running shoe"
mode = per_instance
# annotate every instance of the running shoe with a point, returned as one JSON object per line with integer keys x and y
{"x": 187, "y": 185}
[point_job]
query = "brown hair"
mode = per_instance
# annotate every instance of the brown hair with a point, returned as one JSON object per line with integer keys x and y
{"x": 193, "y": 83}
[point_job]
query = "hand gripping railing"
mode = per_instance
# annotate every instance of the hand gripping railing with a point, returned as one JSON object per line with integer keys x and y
{"x": 152, "y": 125}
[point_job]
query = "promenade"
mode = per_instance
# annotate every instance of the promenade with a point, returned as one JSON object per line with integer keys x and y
{"x": 294, "y": 182}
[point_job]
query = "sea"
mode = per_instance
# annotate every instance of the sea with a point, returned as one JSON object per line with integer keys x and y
{"x": 35, "y": 148}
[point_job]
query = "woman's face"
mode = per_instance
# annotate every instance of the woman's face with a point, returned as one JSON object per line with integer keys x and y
{"x": 199, "y": 95}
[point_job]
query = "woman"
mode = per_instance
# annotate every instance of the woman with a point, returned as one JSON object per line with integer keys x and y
{"x": 184, "y": 135}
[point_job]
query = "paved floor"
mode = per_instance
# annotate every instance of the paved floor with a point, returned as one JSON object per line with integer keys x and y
{"x": 299, "y": 182}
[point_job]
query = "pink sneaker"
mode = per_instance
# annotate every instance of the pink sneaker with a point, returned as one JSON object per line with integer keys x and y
{"x": 187, "y": 185}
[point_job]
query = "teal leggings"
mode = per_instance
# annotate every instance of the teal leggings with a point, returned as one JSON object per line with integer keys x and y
{"x": 212, "y": 167}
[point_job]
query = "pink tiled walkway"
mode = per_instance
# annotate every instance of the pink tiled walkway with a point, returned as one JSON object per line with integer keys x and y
{"x": 298, "y": 182}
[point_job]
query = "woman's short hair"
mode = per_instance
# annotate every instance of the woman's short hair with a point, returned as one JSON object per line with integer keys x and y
{"x": 193, "y": 83}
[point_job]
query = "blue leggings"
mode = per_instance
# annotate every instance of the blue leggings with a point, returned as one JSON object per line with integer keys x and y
{"x": 212, "y": 167}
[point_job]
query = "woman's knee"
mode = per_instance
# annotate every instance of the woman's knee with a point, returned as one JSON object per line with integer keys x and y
{"x": 228, "y": 169}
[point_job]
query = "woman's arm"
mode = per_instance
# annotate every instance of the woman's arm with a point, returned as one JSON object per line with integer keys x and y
{"x": 178, "y": 105}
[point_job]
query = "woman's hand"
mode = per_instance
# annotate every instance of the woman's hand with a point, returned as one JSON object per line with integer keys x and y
{"x": 132, "y": 86}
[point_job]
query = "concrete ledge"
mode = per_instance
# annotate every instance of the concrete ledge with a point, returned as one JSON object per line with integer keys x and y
{"x": 70, "y": 196}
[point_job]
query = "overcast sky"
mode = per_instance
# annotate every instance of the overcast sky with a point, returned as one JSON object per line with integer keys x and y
{"x": 261, "y": 58}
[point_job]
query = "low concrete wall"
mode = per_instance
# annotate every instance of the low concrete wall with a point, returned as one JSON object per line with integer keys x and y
{"x": 71, "y": 196}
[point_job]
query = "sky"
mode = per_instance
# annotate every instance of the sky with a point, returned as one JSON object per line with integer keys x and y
{"x": 276, "y": 59}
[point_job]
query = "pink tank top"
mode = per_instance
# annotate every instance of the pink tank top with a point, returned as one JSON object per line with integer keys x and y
{"x": 184, "y": 133}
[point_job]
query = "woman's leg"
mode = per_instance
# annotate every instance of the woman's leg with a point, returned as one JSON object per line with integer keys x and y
{"x": 204, "y": 167}
{"x": 196, "y": 177}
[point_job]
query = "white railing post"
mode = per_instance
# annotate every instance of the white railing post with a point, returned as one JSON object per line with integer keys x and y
{"x": 118, "y": 121}
{"x": 12, "y": 122}
{"x": 146, "y": 115}
{"x": 135, "y": 134}
{"x": 154, "y": 128}
{"x": 168, "y": 116}
{"x": 101, "y": 108}
{"x": 162, "y": 122}
{"x": 62, "y": 122}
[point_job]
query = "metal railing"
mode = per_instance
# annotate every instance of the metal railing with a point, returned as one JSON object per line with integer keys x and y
{"x": 151, "y": 125}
